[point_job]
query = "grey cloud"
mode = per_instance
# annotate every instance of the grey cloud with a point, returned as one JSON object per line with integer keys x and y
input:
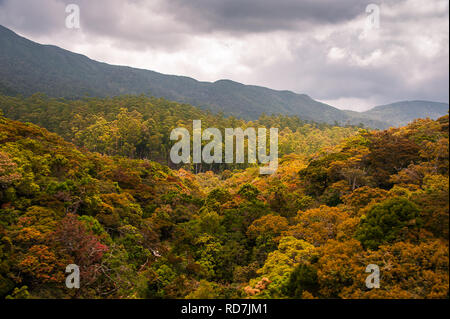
{"x": 183, "y": 17}
{"x": 384, "y": 83}
{"x": 169, "y": 27}
{"x": 263, "y": 15}
{"x": 405, "y": 68}
{"x": 109, "y": 19}
{"x": 32, "y": 17}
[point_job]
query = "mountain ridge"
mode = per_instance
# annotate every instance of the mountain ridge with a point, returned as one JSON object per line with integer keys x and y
{"x": 27, "y": 67}
{"x": 400, "y": 113}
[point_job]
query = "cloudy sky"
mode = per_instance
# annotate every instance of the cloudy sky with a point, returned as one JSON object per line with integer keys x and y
{"x": 334, "y": 51}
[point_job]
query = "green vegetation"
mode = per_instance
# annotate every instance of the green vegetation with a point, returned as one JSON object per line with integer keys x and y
{"x": 97, "y": 192}
{"x": 27, "y": 67}
{"x": 139, "y": 127}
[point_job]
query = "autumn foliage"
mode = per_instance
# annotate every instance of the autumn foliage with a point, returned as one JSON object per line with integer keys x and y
{"x": 140, "y": 227}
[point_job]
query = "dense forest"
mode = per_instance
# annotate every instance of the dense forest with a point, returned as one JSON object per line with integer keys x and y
{"x": 140, "y": 126}
{"x": 89, "y": 183}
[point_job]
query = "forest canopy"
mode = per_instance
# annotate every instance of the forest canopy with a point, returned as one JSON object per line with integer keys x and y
{"x": 91, "y": 177}
{"x": 139, "y": 127}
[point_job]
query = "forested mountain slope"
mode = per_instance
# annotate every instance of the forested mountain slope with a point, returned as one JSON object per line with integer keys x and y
{"x": 27, "y": 67}
{"x": 139, "y": 126}
{"x": 308, "y": 231}
{"x": 401, "y": 113}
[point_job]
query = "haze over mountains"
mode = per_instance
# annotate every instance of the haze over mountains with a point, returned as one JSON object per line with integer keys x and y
{"x": 401, "y": 113}
{"x": 27, "y": 67}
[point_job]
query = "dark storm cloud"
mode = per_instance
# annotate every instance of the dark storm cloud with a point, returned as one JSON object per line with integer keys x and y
{"x": 182, "y": 18}
{"x": 263, "y": 15}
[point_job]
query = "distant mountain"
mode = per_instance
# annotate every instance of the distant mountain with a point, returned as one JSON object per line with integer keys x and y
{"x": 401, "y": 113}
{"x": 27, "y": 67}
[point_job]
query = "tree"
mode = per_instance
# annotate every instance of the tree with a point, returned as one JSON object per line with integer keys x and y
{"x": 389, "y": 153}
{"x": 363, "y": 196}
{"x": 279, "y": 265}
{"x": 87, "y": 251}
{"x": 339, "y": 266}
{"x": 389, "y": 221}
{"x": 407, "y": 271}
{"x": 205, "y": 290}
{"x": 249, "y": 192}
{"x": 271, "y": 225}
{"x": 318, "y": 225}
{"x": 8, "y": 171}
{"x": 303, "y": 278}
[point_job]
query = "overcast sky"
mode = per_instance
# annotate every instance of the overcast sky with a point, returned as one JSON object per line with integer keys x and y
{"x": 331, "y": 50}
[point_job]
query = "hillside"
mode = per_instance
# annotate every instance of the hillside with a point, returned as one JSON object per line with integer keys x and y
{"x": 27, "y": 67}
{"x": 140, "y": 126}
{"x": 403, "y": 112}
{"x": 153, "y": 232}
